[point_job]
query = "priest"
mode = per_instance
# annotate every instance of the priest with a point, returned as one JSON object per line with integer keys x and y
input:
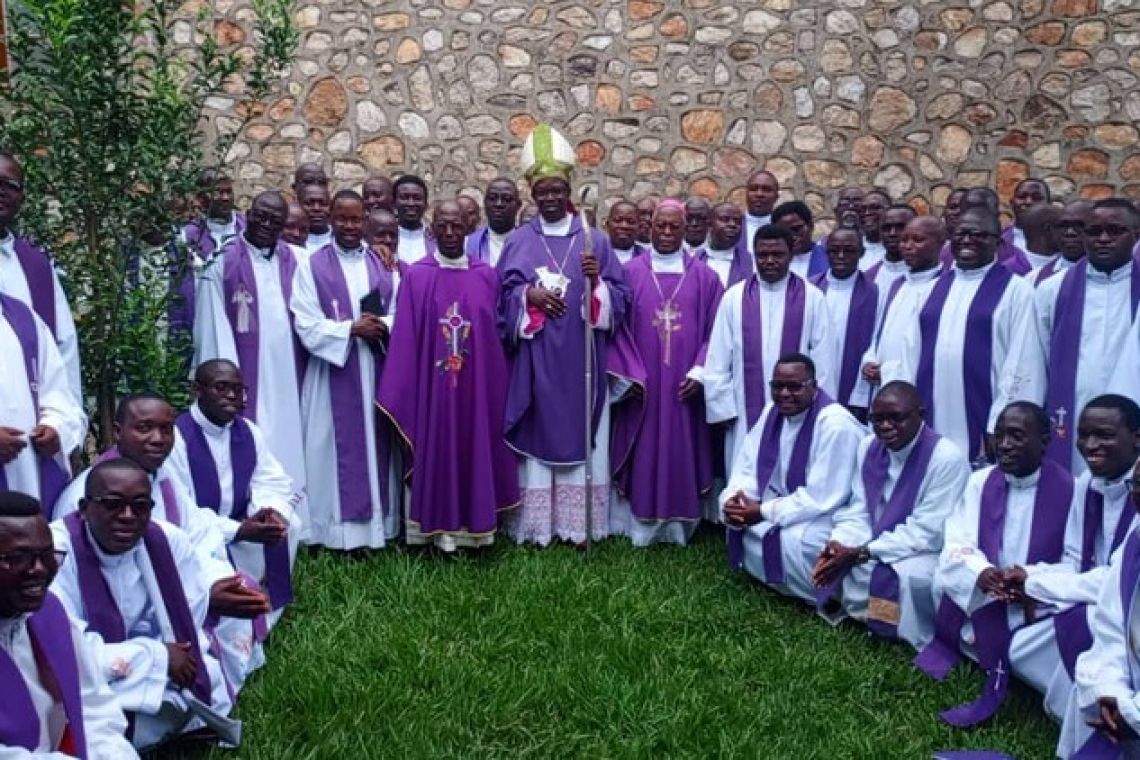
{"x": 770, "y": 314}
{"x": 892, "y": 268}
{"x": 645, "y": 208}
{"x": 448, "y": 397}
{"x": 1027, "y": 194}
{"x": 557, "y": 274}
{"x": 698, "y": 214}
{"x": 501, "y": 204}
{"x": 296, "y": 229}
{"x": 622, "y": 225}
{"x": 809, "y": 257}
{"x": 879, "y": 560}
{"x": 727, "y": 252}
{"x": 793, "y": 471}
{"x": 875, "y": 205}
{"x": 761, "y": 192}
{"x": 314, "y": 198}
{"x": 674, "y": 300}
{"x": 56, "y": 699}
{"x": 378, "y": 193}
{"x": 1039, "y": 225}
{"x": 411, "y": 205}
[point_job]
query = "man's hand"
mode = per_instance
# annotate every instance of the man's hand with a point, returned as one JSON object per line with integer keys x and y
{"x": 11, "y": 444}
{"x": 990, "y": 583}
{"x": 229, "y": 598}
{"x": 264, "y": 527}
{"x": 740, "y": 511}
{"x": 547, "y": 300}
{"x": 370, "y": 328}
{"x": 590, "y": 268}
{"x": 387, "y": 257}
{"x": 1013, "y": 585}
{"x": 181, "y": 666}
{"x": 871, "y": 373}
{"x": 835, "y": 560}
{"x": 1110, "y": 722}
{"x": 44, "y": 440}
{"x": 689, "y": 388}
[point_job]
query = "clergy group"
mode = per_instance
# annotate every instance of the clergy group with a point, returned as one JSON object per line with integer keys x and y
{"x": 926, "y": 425}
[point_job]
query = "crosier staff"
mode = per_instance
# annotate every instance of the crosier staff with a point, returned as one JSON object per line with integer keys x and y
{"x": 587, "y": 313}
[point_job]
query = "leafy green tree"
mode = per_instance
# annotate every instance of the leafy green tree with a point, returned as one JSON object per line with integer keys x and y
{"x": 107, "y": 117}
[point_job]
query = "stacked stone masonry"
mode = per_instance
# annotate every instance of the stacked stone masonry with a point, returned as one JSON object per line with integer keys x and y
{"x": 690, "y": 96}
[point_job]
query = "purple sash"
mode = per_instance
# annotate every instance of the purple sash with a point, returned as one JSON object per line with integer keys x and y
{"x": 41, "y": 279}
{"x": 1047, "y": 271}
{"x": 795, "y": 309}
{"x": 53, "y": 478}
{"x": 50, "y": 632}
{"x": 1064, "y": 348}
{"x": 349, "y": 432}
{"x": 795, "y": 477}
{"x": 979, "y": 339}
{"x": 238, "y": 277}
{"x": 860, "y": 329}
{"x": 102, "y": 611}
{"x": 991, "y": 622}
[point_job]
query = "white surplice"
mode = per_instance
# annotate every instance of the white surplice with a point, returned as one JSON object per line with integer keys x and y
{"x": 838, "y": 296}
{"x": 104, "y": 726}
{"x": 318, "y": 240}
{"x": 724, "y": 365}
{"x": 889, "y": 273}
{"x": 1012, "y": 320}
{"x": 804, "y": 514}
{"x": 412, "y": 245}
{"x": 751, "y": 225}
{"x": 889, "y": 348}
{"x": 721, "y": 263}
{"x": 278, "y": 410}
{"x": 873, "y": 253}
{"x": 58, "y": 406}
{"x": 911, "y": 548}
{"x": 136, "y": 668}
{"x": 329, "y": 343}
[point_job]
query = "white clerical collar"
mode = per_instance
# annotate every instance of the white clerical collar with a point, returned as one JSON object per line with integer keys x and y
{"x": 222, "y": 228}
{"x": 835, "y": 282}
{"x": 668, "y": 263}
{"x": 1114, "y": 488}
{"x": 204, "y": 422}
{"x": 497, "y": 237}
{"x": 1039, "y": 260}
{"x": 560, "y": 228}
{"x": 354, "y": 253}
{"x": 903, "y": 453}
{"x": 757, "y": 221}
{"x": 10, "y": 627}
{"x": 415, "y": 234}
{"x": 897, "y": 266}
{"x": 457, "y": 263}
{"x": 725, "y": 255}
{"x": 924, "y": 275}
{"x": 1116, "y": 275}
{"x": 975, "y": 274}
{"x": 1029, "y": 481}
{"x": 265, "y": 253}
{"x": 776, "y": 286}
{"x": 112, "y": 560}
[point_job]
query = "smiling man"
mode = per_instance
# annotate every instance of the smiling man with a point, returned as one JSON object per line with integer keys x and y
{"x": 411, "y": 205}
{"x": 760, "y": 195}
{"x": 727, "y": 253}
{"x": 893, "y": 267}
{"x": 875, "y": 205}
{"x": 57, "y": 702}
{"x": 622, "y": 226}
{"x": 793, "y": 471}
{"x": 314, "y": 199}
{"x": 501, "y": 204}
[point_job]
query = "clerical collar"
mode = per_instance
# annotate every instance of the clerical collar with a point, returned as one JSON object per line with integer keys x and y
{"x": 975, "y": 274}
{"x": 561, "y": 227}
{"x": 412, "y": 233}
{"x": 1114, "y": 488}
{"x": 1029, "y": 481}
{"x": 10, "y": 627}
{"x": 1038, "y": 260}
{"x": 354, "y": 253}
{"x": 757, "y": 220}
{"x": 213, "y": 225}
{"x": 666, "y": 257}
{"x": 898, "y": 265}
{"x": 205, "y": 423}
{"x": 7, "y": 242}
{"x": 773, "y": 286}
{"x": 112, "y": 560}
{"x": 904, "y": 452}
{"x": 265, "y": 253}
{"x": 624, "y": 254}
{"x": 725, "y": 255}
{"x": 446, "y": 263}
{"x": 498, "y": 237}
{"x": 924, "y": 275}
{"x": 1116, "y": 275}
{"x": 845, "y": 284}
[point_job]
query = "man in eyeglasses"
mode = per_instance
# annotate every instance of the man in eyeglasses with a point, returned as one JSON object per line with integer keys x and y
{"x": 136, "y": 587}
{"x": 501, "y": 207}
{"x": 1009, "y": 255}
{"x": 56, "y": 699}
{"x": 959, "y": 347}
{"x": 1069, "y": 237}
{"x": 1011, "y": 517}
{"x": 793, "y": 471}
{"x": 244, "y": 316}
{"x": 879, "y": 560}
{"x": 27, "y": 274}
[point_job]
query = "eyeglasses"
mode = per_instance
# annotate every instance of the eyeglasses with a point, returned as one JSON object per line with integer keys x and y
{"x": 227, "y": 389}
{"x": 963, "y": 235}
{"x": 23, "y": 561}
{"x": 890, "y": 418}
{"x": 116, "y": 504}
{"x": 1112, "y": 230}
{"x": 793, "y": 387}
{"x": 11, "y": 185}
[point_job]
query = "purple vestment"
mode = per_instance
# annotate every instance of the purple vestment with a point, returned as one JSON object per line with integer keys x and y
{"x": 752, "y": 337}
{"x": 546, "y": 399}
{"x": 670, "y": 329}
{"x": 444, "y": 389}
{"x": 40, "y": 277}
{"x": 860, "y": 329}
{"x": 201, "y": 243}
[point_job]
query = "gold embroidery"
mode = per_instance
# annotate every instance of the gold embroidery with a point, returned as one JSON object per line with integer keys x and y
{"x": 883, "y": 610}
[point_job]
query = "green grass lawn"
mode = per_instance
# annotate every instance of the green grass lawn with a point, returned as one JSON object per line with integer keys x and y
{"x": 625, "y": 653}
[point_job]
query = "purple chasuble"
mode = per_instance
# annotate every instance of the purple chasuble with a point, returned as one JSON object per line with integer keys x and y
{"x": 445, "y": 392}
{"x": 102, "y": 611}
{"x": 861, "y": 314}
{"x": 349, "y": 431}
{"x": 53, "y": 478}
{"x": 546, "y": 399}
{"x": 979, "y": 338}
{"x": 884, "y": 586}
{"x": 208, "y": 493}
{"x": 752, "y": 337}
{"x": 40, "y": 277}
{"x": 58, "y": 670}
{"x": 992, "y": 634}
{"x": 670, "y": 329}
{"x": 239, "y": 292}
{"x": 794, "y": 478}
{"x": 1064, "y": 350}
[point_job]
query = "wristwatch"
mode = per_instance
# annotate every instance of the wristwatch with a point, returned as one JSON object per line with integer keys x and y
{"x": 864, "y": 555}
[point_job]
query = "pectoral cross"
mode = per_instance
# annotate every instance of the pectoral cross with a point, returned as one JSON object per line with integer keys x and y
{"x": 244, "y": 299}
{"x": 999, "y": 671}
{"x": 1059, "y": 422}
{"x": 667, "y": 323}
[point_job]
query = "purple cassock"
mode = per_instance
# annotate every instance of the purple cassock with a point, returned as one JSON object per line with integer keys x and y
{"x": 20, "y": 318}
{"x": 991, "y": 622}
{"x": 860, "y": 329}
{"x": 41, "y": 279}
{"x": 670, "y": 321}
{"x": 50, "y": 632}
{"x": 199, "y": 241}
{"x": 445, "y": 392}
{"x": 349, "y": 431}
{"x": 546, "y": 400}
{"x": 208, "y": 492}
{"x": 239, "y": 291}
{"x": 1064, "y": 349}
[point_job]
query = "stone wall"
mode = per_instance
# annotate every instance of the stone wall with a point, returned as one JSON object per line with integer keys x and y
{"x": 692, "y": 95}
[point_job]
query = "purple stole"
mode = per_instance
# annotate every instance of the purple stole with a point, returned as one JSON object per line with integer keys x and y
{"x": 795, "y": 310}
{"x": 1047, "y": 271}
{"x": 102, "y": 611}
{"x": 884, "y": 586}
{"x": 1064, "y": 347}
{"x": 743, "y": 263}
{"x": 991, "y": 622}
{"x": 53, "y": 478}
{"x": 795, "y": 477}
{"x": 979, "y": 338}
{"x": 237, "y": 277}
{"x": 50, "y": 632}
{"x": 208, "y": 490}
{"x": 349, "y": 432}
{"x": 860, "y": 329}
{"x": 41, "y": 279}
{"x": 199, "y": 239}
